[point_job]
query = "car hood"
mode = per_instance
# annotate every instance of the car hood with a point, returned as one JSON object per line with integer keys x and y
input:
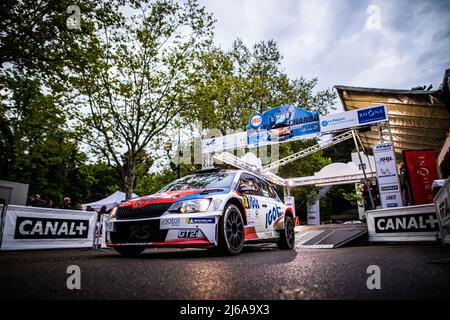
{"x": 172, "y": 196}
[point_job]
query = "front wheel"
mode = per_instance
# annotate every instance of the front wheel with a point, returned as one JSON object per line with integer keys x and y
{"x": 287, "y": 236}
{"x": 129, "y": 251}
{"x": 231, "y": 231}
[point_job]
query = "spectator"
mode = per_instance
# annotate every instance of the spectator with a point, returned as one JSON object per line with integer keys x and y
{"x": 50, "y": 204}
{"x": 88, "y": 208}
{"x": 78, "y": 206}
{"x": 101, "y": 212}
{"x": 2, "y": 201}
{"x": 37, "y": 201}
{"x": 67, "y": 203}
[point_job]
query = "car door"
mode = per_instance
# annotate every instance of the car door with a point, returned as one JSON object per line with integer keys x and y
{"x": 253, "y": 201}
{"x": 274, "y": 211}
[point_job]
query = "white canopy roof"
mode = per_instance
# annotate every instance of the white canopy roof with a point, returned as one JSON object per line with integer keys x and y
{"x": 110, "y": 201}
{"x": 333, "y": 174}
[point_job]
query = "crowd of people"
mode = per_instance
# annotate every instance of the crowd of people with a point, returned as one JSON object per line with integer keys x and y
{"x": 37, "y": 201}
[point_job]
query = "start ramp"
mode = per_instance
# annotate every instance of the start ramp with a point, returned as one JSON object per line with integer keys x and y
{"x": 329, "y": 236}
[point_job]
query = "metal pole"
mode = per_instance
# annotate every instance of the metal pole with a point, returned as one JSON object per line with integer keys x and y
{"x": 179, "y": 156}
{"x": 2, "y": 222}
{"x": 366, "y": 181}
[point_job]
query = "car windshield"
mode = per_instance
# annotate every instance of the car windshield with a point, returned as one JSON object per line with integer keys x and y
{"x": 213, "y": 180}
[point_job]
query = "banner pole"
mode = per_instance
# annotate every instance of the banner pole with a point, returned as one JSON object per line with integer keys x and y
{"x": 366, "y": 181}
{"x": 2, "y": 223}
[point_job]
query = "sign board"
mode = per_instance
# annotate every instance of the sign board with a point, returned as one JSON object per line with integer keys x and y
{"x": 282, "y": 124}
{"x": 388, "y": 182}
{"x": 353, "y": 118}
{"x": 413, "y": 223}
{"x": 442, "y": 203}
{"x": 368, "y": 162}
{"x": 43, "y": 228}
{"x": 222, "y": 143}
{"x": 422, "y": 171}
{"x": 290, "y": 203}
{"x": 313, "y": 213}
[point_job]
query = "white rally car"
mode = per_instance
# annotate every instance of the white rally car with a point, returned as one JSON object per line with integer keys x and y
{"x": 210, "y": 209}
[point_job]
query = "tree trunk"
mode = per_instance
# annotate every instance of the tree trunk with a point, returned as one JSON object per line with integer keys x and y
{"x": 129, "y": 177}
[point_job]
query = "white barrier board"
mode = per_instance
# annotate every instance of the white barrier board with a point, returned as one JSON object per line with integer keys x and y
{"x": 403, "y": 224}
{"x": 42, "y": 228}
{"x": 442, "y": 202}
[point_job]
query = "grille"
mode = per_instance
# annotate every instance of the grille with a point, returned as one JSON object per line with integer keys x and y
{"x": 138, "y": 231}
{"x": 149, "y": 211}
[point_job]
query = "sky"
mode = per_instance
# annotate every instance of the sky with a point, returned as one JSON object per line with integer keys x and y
{"x": 394, "y": 44}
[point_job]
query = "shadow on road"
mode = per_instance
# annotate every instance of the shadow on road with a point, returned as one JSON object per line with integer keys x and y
{"x": 164, "y": 254}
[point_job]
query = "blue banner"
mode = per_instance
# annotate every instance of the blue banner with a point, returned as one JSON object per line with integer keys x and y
{"x": 281, "y": 124}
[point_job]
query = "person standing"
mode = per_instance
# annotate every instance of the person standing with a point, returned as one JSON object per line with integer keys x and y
{"x": 66, "y": 204}
{"x": 37, "y": 201}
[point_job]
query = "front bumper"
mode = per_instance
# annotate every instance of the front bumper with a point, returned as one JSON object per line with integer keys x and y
{"x": 168, "y": 230}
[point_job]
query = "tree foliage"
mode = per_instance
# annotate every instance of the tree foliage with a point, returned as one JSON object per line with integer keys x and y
{"x": 242, "y": 81}
{"x": 142, "y": 79}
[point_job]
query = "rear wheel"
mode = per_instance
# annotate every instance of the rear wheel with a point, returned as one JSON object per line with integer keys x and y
{"x": 129, "y": 251}
{"x": 231, "y": 231}
{"x": 287, "y": 236}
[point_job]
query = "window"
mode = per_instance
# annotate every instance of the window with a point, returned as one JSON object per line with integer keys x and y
{"x": 214, "y": 180}
{"x": 250, "y": 182}
{"x": 273, "y": 193}
{"x": 267, "y": 190}
{"x": 264, "y": 188}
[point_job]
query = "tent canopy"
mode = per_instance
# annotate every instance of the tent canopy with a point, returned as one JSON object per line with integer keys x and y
{"x": 110, "y": 201}
{"x": 335, "y": 174}
{"x": 418, "y": 119}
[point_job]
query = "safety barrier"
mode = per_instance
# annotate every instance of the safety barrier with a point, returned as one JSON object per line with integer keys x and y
{"x": 442, "y": 202}
{"x": 403, "y": 224}
{"x": 24, "y": 228}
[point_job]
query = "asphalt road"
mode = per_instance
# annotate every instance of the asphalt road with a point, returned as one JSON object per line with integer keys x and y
{"x": 407, "y": 272}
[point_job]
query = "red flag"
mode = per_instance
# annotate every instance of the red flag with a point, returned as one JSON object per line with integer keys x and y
{"x": 422, "y": 172}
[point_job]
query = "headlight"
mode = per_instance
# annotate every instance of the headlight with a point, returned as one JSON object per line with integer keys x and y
{"x": 112, "y": 214}
{"x": 188, "y": 206}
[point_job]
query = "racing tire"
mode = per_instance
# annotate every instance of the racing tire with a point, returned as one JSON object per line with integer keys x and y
{"x": 287, "y": 236}
{"x": 129, "y": 251}
{"x": 231, "y": 231}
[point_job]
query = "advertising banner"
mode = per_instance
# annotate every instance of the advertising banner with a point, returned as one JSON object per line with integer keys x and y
{"x": 353, "y": 118}
{"x": 222, "y": 143}
{"x": 414, "y": 223}
{"x": 281, "y": 124}
{"x": 388, "y": 182}
{"x": 290, "y": 203}
{"x": 313, "y": 213}
{"x": 442, "y": 203}
{"x": 42, "y": 228}
{"x": 422, "y": 171}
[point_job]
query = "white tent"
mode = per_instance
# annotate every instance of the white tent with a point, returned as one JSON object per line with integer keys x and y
{"x": 110, "y": 201}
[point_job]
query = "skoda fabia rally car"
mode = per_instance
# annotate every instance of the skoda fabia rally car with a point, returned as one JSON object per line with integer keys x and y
{"x": 210, "y": 209}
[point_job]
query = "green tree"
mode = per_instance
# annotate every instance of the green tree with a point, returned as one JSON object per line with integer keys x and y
{"x": 242, "y": 81}
{"x": 141, "y": 81}
{"x": 35, "y": 36}
{"x": 42, "y": 152}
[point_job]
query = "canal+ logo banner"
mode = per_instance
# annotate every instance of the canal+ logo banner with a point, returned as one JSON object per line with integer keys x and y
{"x": 42, "y": 228}
{"x": 282, "y": 124}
